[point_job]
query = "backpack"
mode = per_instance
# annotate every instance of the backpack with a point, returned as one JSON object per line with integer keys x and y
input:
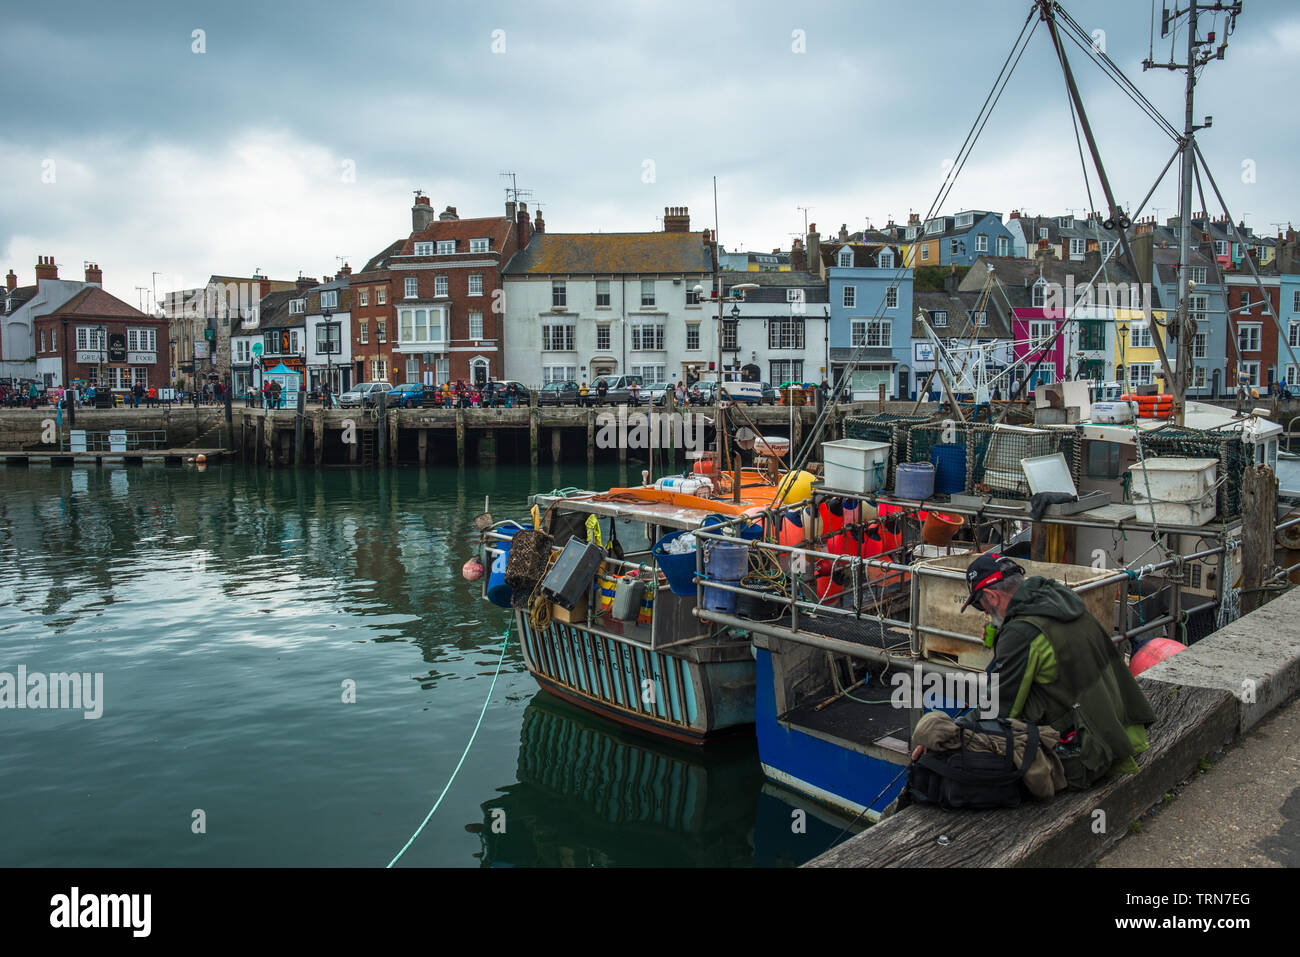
{"x": 961, "y": 778}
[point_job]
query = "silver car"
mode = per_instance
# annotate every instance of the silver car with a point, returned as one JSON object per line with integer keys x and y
{"x": 363, "y": 394}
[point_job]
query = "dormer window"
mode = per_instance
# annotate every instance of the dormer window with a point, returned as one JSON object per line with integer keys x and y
{"x": 424, "y": 249}
{"x": 965, "y": 219}
{"x": 1042, "y": 232}
{"x": 297, "y": 307}
{"x": 329, "y": 300}
{"x": 846, "y": 258}
{"x": 446, "y": 247}
{"x": 886, "y": 259}
{"x": 1065, "y": 222}
{"x": 910, "y": 233}
{"x": 1038, "y": 295}
{"x": 934, "y": 226}
{"x": 478, "y": 245}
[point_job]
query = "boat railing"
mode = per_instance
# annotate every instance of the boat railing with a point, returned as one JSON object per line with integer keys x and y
{"x": 859, "y": 569}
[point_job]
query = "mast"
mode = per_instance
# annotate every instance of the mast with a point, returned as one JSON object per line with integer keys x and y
{"x": 1186, "y": 326}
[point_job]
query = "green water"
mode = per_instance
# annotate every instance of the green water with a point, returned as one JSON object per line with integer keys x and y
{"x": 229, "y": 612}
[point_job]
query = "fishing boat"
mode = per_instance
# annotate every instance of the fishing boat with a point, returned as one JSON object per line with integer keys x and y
{"x": 631, "y": 647}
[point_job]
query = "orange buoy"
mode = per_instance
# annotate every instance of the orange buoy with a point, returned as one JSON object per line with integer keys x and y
{"x": 1153, "y": 652}
{"x": 200, "y": 459}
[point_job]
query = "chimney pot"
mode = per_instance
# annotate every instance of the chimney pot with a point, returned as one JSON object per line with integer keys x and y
{"x": 46, "y": 269}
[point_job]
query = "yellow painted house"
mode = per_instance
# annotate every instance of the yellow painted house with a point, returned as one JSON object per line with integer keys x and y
{"x": 1136, "y": 350}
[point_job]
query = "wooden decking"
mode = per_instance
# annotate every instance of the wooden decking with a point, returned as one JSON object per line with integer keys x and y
{"x": 134, "y": 457}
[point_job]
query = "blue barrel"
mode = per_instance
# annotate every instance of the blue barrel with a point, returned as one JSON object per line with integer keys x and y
{"x": 716, "y": 599}
{"x": 914, "y": 480}
{"x": 498, "y": 592}
{"x": 949, "y": 460}
{"x": 726, "y": 562}
{"x": 678, "y": 569}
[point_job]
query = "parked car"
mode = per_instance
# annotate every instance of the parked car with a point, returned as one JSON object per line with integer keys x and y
{"x": 656, "y": 393}
{"x": 523, "y": 394}
{"x": 408, "y": 396}
{"x": 616, "y": 388}
{"x": 558, "y": 393}
{"x": 363, "y": 394}
{"x": 770, "y": 395}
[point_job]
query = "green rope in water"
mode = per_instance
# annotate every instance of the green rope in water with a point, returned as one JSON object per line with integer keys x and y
{"x": 505, "y": 640}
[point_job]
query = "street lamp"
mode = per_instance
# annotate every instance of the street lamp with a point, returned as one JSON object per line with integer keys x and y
{"x": 332, "y": 346}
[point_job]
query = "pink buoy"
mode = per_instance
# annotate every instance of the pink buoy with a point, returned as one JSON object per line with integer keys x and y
{"x": 472, "y": 570}
{"x": 1153, "y": 652}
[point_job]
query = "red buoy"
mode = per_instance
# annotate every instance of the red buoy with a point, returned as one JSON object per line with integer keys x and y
{"x": 1153, "y": 652}
{"x": 472, "y": 570}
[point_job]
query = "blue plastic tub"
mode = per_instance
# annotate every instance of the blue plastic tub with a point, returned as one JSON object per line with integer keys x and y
{"x": 914, "y": 480}
{"x": 498, "y": 592}
{"x": 678, "y": 569}
{"x": 949, "y": 461}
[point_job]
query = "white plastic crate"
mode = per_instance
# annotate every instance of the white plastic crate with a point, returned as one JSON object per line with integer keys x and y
{"x": 855, "y": 465}
{"x": 1182, "y": 490}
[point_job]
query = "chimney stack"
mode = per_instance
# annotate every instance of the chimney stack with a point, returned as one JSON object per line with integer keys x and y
{"x": 448, "y": 213}
{"x": 798, "y": 260}
{"x": 914, "y": 219}
{"x": 539, "y": 224}
{"x": 346, "y": 270}
{"x": 525, "y": 227}
{"x": 46, "y": 269}
{"x": 94, "y": 274}
{"x": 677, "y": 219}
{"x": 304, "y": 283}
{"x": 844, "y": 232}
{"x": 421, "y": 214}
{"x": 814, "y": 249}
{"x": 510, "y": 210}
{"x": 11, "y": 280}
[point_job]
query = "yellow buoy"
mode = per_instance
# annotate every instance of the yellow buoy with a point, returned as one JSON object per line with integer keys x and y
{"x": 795, "y": 487}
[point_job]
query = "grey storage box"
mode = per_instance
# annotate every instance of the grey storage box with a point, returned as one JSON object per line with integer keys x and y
{"x": 571, "y": 576}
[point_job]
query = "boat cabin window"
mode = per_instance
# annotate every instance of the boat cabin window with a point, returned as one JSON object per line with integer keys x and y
{"x": 1104, "y": 460}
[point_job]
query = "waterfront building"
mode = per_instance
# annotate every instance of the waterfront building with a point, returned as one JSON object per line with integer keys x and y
{"x": 1252, "y": 341}
{"x": 960, "y": 239}
{"x": 23, "y": 305}
{"x": 284, "y": 332}
{"x": 446, "y": 311}
{"x": 102, "y": 341}
{"x": 328, "y": 334}
{"x": 247, "y": 346}
{"x": 580, "y": 305}
{"x": 781, "y": 332}
{"x": 1288, "y": 267}
{"x": 870, "y": 294}
{"x": 1157, "y": 254}
{"x": 957, "y": 320}
{"x": 372, "y": 316}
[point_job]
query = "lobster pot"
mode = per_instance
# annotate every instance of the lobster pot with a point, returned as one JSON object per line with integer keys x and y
{"x": 530, "y": 549}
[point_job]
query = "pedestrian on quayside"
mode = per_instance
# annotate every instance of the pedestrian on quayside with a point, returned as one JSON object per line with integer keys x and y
{"x": 1056, "y": 665}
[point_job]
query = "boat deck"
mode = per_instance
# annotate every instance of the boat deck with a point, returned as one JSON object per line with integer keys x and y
{"x": 867, "y": 718}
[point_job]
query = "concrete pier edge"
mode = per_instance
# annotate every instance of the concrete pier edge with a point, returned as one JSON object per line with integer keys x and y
{"x": 1204, "y": 697}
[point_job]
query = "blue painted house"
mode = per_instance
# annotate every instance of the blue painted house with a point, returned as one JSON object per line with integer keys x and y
{"x": 871, "y": 314}
{"x": 960, "y": 239}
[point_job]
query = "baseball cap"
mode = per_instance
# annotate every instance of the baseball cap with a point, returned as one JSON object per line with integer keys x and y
{"x": 988, "y": 569}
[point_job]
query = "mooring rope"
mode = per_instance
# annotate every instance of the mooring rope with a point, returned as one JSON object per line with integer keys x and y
{"x": 505, "y": 640}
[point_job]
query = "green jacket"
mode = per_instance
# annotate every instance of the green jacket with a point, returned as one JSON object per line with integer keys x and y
{"x": 1056, "y": 665}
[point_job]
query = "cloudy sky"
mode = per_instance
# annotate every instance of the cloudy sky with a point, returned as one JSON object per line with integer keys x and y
{"x": 286, "y": 135}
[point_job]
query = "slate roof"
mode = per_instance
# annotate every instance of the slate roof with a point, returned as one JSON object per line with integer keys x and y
{"x": 93, "y": 301}
{"x": 496, "y": 229}
{"x": 20, "y": 295}
{"x": 864, "y": 254}
{"x": 611, "y": 254}
{"x": 273, "y": 310}
{"x": 381, "y": 259}
{"x": 957, "y": 305}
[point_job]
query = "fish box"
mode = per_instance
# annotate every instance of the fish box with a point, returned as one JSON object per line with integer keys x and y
{"x": 855, "y": 465}
{"x": 1182, "y": 490}
{"x": 940, "y": 599}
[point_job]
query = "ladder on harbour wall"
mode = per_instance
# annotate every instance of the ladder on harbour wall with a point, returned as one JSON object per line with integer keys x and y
{"x": 369, "y": 440}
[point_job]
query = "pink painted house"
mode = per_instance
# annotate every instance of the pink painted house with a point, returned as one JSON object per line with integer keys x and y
{"x": 1031, "y": 325}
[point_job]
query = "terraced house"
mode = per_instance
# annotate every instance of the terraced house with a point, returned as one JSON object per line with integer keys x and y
{"x": 957, "y": 240}
{"x": 870, "y": 294}
{"x": 580, "y": 305}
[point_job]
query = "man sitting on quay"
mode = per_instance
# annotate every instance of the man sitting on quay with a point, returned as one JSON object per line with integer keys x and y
{"x": 1056, "y": 665}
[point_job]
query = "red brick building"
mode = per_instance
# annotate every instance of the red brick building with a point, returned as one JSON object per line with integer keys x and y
{"x": 433, "y": 305}
{"x": 101, "y": 340}
{"x": 1252, "y": 336}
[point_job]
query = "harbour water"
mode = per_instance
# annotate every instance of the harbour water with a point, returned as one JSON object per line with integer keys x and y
{"x": 232, "y": 612}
